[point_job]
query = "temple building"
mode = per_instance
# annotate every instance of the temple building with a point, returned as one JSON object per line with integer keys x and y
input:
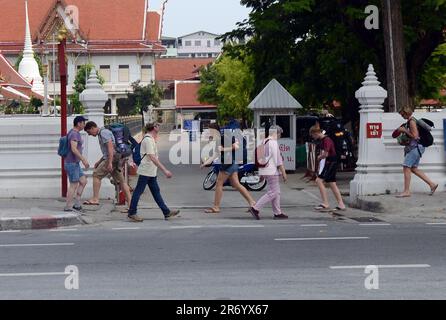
{"x": 120, "y": 38}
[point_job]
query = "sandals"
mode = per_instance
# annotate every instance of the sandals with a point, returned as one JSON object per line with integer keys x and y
{"x": 433, "y": 190}
{"x": 339, "y": 209}
{"x": 212, "y": 210}
{"x": 89, "y": 203}
{"x": 322, "y": 207}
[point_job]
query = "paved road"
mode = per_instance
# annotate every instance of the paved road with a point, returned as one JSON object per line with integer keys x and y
{"x": 226, "y": 259}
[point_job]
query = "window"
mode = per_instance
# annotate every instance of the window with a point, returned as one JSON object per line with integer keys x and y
{"x": 209, "y": 43}
{"x": 217, "y": 42}
{"x": 188, "y": 43}
{"x": 123, "y": 75}
{"x": 146, "y": 73}
{"x": 285, "y": 123}
{"x": 198, "y": 43}
{"x": 104, "y": 72}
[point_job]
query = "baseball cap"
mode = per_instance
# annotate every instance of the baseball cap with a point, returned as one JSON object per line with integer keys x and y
{"x": 79, "y": 119}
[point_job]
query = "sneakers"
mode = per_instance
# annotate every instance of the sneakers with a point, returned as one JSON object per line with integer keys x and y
{"x": 78, "y": 209}
{"x": 280, "y": 217}
{"x": 254, "y": 213}
{"x": 135, "y": 218}
{"x": 171, "y": 214}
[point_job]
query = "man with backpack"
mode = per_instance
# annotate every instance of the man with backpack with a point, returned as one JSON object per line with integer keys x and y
{"x": 417, "y": 138}
{"x": 149, "y": 164}
{"x": 72, "y": 158}
{"x": 110, "y": 163}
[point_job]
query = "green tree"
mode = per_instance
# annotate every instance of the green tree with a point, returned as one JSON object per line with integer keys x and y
{"x": 229, "y": 84}
{"x": 142, "y": 97}
{"x": 79, "y": 85}
{"x": 320, "y": 49}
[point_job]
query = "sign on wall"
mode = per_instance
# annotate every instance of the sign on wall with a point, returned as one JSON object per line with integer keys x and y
{"x": 288, "y": 150}
{"x": 374, "y": 130}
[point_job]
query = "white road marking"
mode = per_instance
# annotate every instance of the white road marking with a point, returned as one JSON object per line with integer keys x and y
{"x": 391, "y": 266}
{"x": 33, "y": 274}
{"x": 62, "y": 230}
{"x": 315, "y": 239}
{"x": 35, "y": 245}
{"x": 186, "y": 227}
{"x": 128, "y": 228}
{"x": 436, "y": 224}
{"x": 313, "y": 225}
{"x": 11, "y": 231}
{"x": 374, "y": 224}
{"x": 248, "y": 226}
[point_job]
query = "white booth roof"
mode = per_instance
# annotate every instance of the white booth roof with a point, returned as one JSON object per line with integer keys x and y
{"x": 274, "y": 96}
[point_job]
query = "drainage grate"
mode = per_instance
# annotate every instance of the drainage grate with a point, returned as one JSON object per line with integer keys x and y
{"x": 367, "y": 219}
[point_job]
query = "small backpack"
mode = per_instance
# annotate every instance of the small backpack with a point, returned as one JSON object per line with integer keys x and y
{"x": 63, "y": 147}
{"x": 424, "y": 129}
{"x": 261, "y": 156}
{"x": 122, "y": 139}
{"x": 137, "y": 152}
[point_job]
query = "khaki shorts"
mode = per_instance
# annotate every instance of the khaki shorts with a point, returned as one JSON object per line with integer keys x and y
{"x": 101, "y": 171}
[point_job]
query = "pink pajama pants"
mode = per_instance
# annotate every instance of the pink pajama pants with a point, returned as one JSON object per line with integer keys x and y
{"x": 273, "y": 195}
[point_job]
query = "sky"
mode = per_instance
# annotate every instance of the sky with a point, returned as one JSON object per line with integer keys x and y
{"x": 183, "y": 17}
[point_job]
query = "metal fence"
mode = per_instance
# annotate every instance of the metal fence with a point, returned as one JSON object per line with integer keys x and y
{"x": 134, "y": 123}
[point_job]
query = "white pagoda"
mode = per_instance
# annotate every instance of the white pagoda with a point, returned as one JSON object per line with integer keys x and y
{"x": 28, "y": 67}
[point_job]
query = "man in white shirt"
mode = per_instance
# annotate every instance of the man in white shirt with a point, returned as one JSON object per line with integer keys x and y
{"x": 147, "y": 172}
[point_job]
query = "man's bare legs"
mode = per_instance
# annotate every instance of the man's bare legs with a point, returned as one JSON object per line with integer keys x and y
{"x": 323, "y": 191}
{"x": 407, "y": 178}
{"x": 334, "y": 188}
{"x": 420, "y": 174}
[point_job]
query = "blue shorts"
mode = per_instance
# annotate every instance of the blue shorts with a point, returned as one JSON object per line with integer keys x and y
{"x": 230, "y": 169}
{"x": 74, "y": 171}
{"x": 413, "y": 157}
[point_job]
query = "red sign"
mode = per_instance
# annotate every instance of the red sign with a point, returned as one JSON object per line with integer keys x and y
{"x": 374, "y": 130}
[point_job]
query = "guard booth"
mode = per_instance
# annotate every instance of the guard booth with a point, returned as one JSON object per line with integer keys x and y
{"x": 276, "y": 106}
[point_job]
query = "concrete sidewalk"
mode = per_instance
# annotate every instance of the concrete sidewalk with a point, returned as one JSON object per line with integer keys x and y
{"x": 24, "y": 214}
{"x": 420, "y": 207}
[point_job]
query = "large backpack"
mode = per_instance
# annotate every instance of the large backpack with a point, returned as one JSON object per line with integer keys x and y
{"x": 122, "y": 138}
{"x": 424, "y": 129}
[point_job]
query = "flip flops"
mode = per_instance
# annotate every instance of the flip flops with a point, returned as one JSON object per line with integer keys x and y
{"x": 89, "y": 203}
{"x": 339, "y": 209}
{"x": 212, "y": 210}
{"x": 322, "y": 208}
{"x": 433, "y": 190}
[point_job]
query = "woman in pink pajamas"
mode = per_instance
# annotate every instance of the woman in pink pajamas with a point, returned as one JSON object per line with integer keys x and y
{"x": 272, "y": 172}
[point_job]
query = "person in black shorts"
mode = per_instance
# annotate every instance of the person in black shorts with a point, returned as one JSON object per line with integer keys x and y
{"x": 327, "y": 170}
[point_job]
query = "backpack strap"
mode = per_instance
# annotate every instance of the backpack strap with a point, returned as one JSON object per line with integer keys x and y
{"x": 141, "y": 145}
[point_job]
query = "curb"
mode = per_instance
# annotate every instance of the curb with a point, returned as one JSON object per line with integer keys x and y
{"x": 40, "y": 222}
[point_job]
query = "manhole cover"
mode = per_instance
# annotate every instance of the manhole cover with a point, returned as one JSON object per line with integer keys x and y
{"x": 367, "y": 219}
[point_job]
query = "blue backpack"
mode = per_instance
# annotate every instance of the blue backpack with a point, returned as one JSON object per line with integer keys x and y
{"x": 137, "y": 151}
{"x": 63, "y": 147}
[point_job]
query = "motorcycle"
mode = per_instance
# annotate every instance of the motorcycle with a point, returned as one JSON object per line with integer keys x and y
{"x": 248, "y": 176}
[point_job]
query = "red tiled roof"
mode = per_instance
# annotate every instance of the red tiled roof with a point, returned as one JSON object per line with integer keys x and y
{"x": 9, "y": 76}
{"x": 178, "y": 69}
{"x": 153, "y": 28}
{"x": 187, "y": 96}
{"x": 98, "y": 19}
